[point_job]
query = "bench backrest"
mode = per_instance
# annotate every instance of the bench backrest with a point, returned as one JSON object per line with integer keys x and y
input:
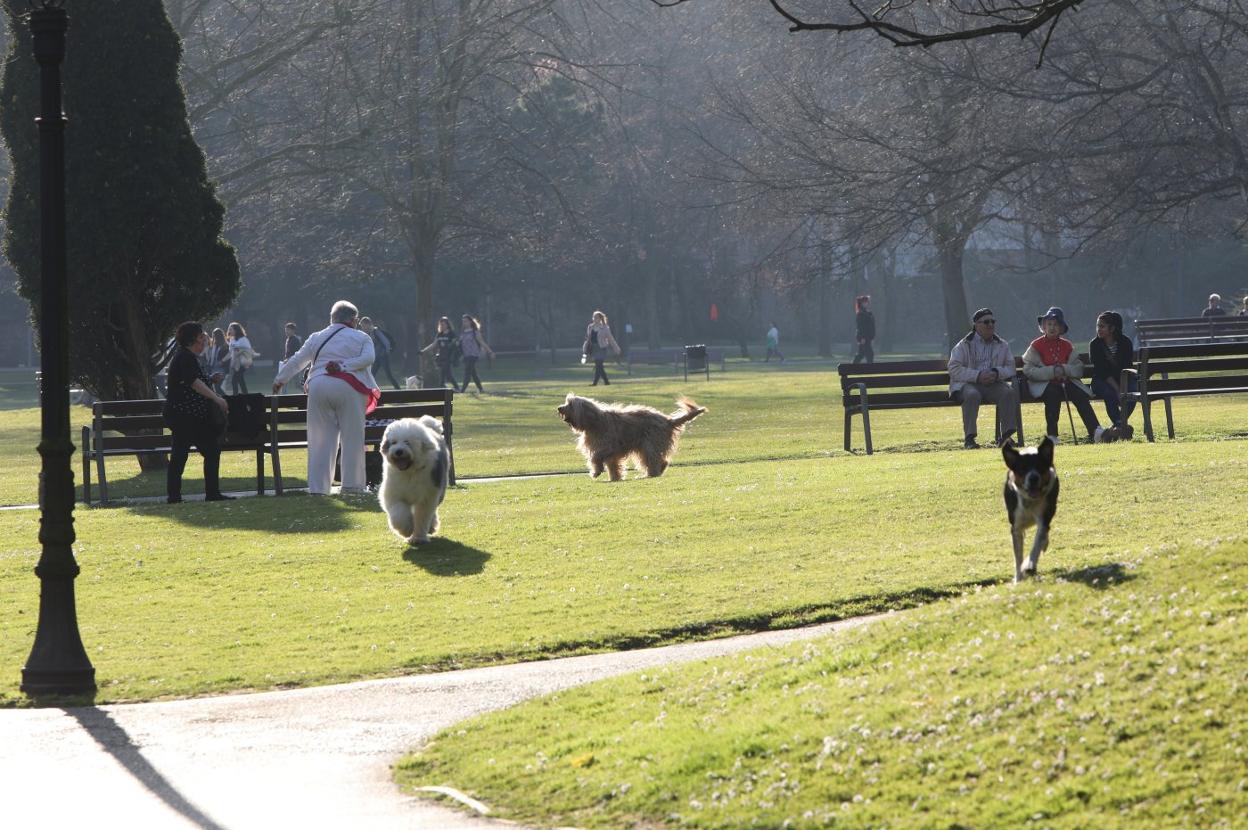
{"x": 927, "y": 381}
{"x": 1190, "y": 330}
{"x": 119, "y": 426}
{"x": 672, "y": 356}
{"x": 1212, "y": 366}
{"x": 289, "y": 413}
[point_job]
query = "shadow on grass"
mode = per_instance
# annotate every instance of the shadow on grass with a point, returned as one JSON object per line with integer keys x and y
{"x": 1099, "y": 577}
{"x": 446, "y": 557}
{"x": 114, "y": 740}
{"x": 293, "y": 513}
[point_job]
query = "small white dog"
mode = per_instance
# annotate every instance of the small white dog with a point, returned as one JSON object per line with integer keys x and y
{"x": 416, "y": 473}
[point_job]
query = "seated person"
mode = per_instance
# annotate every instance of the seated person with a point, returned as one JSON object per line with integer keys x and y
{"x": 1111, "y": 352}
{"x": 981, "y": 367}
{"x": 1054, "y": 374}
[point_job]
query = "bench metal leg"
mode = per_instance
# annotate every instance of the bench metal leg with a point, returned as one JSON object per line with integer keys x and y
{"x": 1169, "y": 418}
{"x": 86, "y": 466}
{"x": 1018, "y": 416}
{"x": 277, "y": 471}
{"x": 1146, "y": 405}
{"x": 849, "y": 425}
{"x": 259, "y": 472}
{"x": 99, "y": 468}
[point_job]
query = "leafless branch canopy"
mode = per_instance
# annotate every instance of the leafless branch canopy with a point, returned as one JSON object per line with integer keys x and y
{"x": 911, "y": 23}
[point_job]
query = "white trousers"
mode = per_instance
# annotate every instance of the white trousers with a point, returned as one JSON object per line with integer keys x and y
{"x": 335, "y": 415}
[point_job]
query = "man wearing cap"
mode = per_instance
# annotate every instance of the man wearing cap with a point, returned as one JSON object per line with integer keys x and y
{"x": 981, "y": 367}
{"x": 1214, "y": 308}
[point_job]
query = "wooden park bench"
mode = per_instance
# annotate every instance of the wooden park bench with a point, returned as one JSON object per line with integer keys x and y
{"x": 1189, "y": 331}
{"x": 1168, "y": 372}
{"x": 288, "y": 421}
{"x": 914, "y": 384}
{"x": 121, "y": 428}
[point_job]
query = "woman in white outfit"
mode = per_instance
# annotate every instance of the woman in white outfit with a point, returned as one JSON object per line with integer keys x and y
{"x": 340, "y": 384}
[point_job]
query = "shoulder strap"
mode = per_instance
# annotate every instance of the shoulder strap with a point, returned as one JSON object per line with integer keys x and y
{"x": 318, "y": 348}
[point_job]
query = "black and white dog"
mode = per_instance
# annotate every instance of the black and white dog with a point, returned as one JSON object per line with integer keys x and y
{"x": 1031, "y": 487}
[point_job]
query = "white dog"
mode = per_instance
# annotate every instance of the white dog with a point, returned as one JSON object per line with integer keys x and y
{"x": 416, "y": 474}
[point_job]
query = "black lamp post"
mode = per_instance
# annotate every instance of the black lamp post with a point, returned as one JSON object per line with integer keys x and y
{"x": 58, "y": 663}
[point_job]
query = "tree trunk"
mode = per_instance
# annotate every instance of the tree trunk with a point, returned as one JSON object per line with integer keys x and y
{"x": 950, "y": 249}
{"x": 825, "y": 300}
{"x": 887, "y": 265}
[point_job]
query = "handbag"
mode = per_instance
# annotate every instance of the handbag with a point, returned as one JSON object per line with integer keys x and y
{"x": 246, "y": 357}
{"x": 308, "y": 373}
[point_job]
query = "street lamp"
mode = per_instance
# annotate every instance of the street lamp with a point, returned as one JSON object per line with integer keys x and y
{"x": 58, "y": 663}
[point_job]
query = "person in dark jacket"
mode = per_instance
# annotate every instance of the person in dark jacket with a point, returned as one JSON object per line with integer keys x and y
{"x": 1214, "y": 309}
{"x": 444, "y": 346}
{"x": 188, "y": 415}
{"x": 864, "y": 324}
{"x": 1111, "y": 352}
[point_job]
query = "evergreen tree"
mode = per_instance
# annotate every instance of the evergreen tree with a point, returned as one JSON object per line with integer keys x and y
{"x": 143, "y": 222}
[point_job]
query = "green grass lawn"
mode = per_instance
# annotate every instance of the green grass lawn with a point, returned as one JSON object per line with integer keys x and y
{"x": 260, "y": 593}
{"x": 1107, "y": 695}
{"x": 757, "y": 411}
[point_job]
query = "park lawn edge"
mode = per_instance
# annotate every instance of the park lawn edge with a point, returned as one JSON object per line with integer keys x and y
{"x": 917, "y": 718}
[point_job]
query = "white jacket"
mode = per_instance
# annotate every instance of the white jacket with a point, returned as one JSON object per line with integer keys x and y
{"x": 350, "y": 348}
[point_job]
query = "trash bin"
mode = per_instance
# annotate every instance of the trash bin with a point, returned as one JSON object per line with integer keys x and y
{"x": 695, "y": 360}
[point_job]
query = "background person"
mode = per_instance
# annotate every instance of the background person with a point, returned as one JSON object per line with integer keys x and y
{"x": 1111, "y": 352}
{"x": 188, "y": 414}
{"x": 340, "y": 389}
{"x": 773, "y": 344}
{"x": 981, "y": 367}
{"x": 1243, "y": 312}
{"x": 599, "y": 344}
{"x": 444, "y": 344}
{"x": 218, "y": 360}
{"x": 383, "y": 345}
{"x": 1053, "y": 372}
{"x": 864, "y": 328}
{"x": 472, "y": 346}
{"x": 1214, "y": 308}
{"x": 241, "y": 357}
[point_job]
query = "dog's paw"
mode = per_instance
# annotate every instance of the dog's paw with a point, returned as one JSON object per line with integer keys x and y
{"x": 421, "y": 539}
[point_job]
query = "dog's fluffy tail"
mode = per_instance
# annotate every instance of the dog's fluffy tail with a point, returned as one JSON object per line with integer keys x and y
{"x": 692, "y": 410}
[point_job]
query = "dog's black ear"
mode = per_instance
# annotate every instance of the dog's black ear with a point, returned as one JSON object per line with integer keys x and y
{"x": 1009, "y": 453}
{"x": 1045, "y": 451}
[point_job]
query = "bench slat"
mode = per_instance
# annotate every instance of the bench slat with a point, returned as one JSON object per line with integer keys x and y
{"x": 1158, "y": 386}
{"x": 896, "y": 399}
{"x": 892, "y": 381}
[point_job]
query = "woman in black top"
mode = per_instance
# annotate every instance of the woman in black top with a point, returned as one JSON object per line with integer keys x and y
{"x": 444, "y": 345}
{"x": 187, "y": 413}
{"x": 864, "y": 323}
{"x": 1111, "y": 352}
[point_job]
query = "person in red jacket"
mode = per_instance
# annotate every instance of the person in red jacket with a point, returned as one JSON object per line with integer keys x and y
{"x": 1054, "y": 374}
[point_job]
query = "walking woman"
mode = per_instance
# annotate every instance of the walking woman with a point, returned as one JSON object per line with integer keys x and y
{"x": 444, "y": 345}
{"x": 188, "y": 414}
{"x": 864, "y": 324}
{"x": 472, "y": 346}
{"x": 598, "y": 341}
{"x": 241, "y": 357}
{"x": 218, "y": 360}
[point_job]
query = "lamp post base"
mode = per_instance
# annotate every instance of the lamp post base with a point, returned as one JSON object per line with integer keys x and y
{"x": 58, "y": 663}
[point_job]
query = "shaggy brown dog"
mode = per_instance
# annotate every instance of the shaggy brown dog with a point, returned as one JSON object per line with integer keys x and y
{"x": 610, "y": 434}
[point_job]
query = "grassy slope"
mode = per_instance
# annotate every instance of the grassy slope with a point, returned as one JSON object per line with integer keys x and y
{"x": 1113, "y": 698}
{"x": 758, "y": 411}
{"x": 197, "y": 598}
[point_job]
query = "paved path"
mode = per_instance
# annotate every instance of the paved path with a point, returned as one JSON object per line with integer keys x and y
{"x": 306, "y": 758}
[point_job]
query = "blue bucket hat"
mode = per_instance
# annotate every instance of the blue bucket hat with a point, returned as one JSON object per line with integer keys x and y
{"x": 1054, "y": 313}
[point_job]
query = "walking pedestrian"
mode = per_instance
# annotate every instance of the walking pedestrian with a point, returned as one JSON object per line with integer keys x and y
{"x": 773, "y": 344}
{"x": 444, "y": 345}
{"x": 341, "y": 391}
{"x": 241, "y": 357}
{"x": 864, "y": 327}
{"x": 383, "y": 345}
{"x": 472, "y": 346}
{"x": 218, "y": 360}
{"x": 599, "y": 344}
